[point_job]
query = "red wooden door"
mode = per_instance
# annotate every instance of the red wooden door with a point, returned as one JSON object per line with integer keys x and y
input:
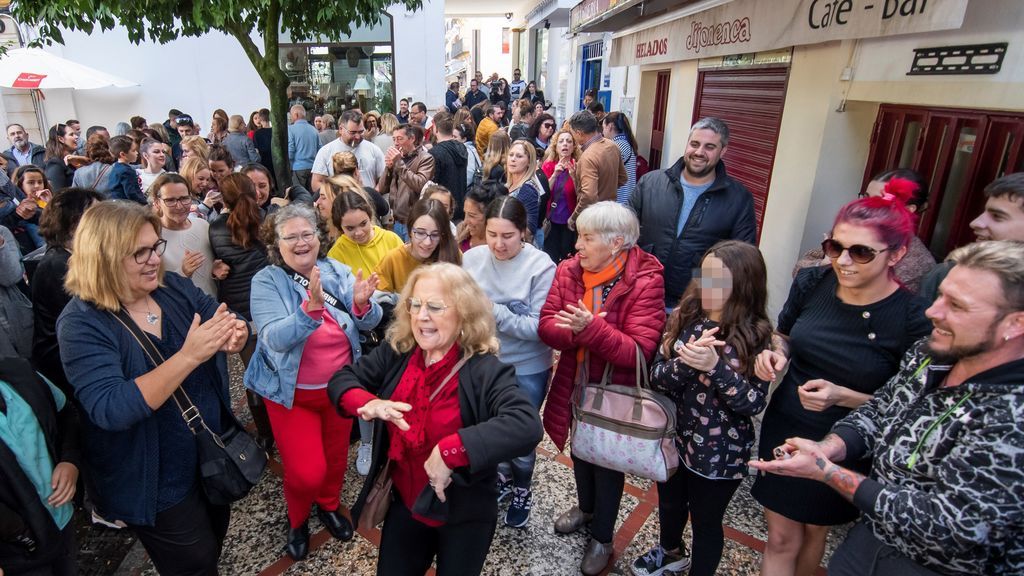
{"x": 750, "y": 101}
{"x": 958, "y": 152}
{"x": 660, "y": 112}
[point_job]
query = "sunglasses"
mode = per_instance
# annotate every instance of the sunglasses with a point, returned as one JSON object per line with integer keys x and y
{"x": 859, "y": 253}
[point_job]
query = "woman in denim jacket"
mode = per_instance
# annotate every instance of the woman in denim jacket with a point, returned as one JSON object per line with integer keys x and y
{"x": 308, "y": 310}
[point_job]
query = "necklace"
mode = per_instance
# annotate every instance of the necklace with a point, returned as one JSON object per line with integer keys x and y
{"x": 151, "y": 318}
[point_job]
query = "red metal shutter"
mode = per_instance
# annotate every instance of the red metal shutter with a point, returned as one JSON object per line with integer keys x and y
{"x": 750, "y": 101}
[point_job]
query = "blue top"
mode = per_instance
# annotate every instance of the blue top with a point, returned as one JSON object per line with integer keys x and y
{"x": 283, "y": 326}
{"x": 124, "y": 184}
{"x": 529, "y": 195}
{"x": 303, "y": 144}
{"x": 124, "y": 443}
{"x": 690, "y": 196}
{"x": 625, "y": 192}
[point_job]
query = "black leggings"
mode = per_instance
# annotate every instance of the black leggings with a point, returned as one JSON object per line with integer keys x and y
{"x": 688, "y": 494}
{"x": 599, "y": 491}
{"x": 408, "y": 546}
{"x": 187, "y": 537}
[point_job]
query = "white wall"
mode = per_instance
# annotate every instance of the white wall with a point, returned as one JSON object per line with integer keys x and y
{"x": 199, "y": 75}
{"x": 419, "y": 54}
{"x": 489, "y": 58}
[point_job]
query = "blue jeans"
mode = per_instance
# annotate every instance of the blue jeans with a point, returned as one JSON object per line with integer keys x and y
{"x": 535, "y": 387}
{"x": 400, "y": 229}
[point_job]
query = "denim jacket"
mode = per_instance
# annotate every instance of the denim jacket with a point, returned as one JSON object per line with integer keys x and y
{"x": 283, "y": 327}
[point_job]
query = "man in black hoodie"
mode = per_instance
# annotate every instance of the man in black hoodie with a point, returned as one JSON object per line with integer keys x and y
{"x": 450, "y": 159}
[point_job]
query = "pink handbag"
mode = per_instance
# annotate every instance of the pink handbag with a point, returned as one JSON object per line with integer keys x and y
{"x": 625, "y": 428}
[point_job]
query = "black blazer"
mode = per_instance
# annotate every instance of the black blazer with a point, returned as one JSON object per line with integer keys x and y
{"x": 498, "y": 424}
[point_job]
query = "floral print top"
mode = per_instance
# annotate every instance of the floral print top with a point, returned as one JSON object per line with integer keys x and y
{"x": 713, "y": 408}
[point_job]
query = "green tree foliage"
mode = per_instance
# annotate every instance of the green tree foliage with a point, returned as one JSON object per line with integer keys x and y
{"x": 165, "y": 20}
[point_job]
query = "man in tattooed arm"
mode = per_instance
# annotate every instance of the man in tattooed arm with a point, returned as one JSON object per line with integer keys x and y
{"x": 946, "y": 490}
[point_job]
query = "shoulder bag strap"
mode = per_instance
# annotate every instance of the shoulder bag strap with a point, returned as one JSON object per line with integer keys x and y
{"x": 189, "y": 412}
{"x": 329, "y": 298}
{"x": 455, "y": 370}
{"x": 103, "y": 171}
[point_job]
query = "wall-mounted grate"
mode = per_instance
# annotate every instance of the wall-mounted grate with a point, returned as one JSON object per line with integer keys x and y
{"x": 968, "y": 59}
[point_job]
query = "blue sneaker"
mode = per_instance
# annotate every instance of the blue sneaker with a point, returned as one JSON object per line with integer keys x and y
{"x": 658, "y": 561}
{"x": 504, "y": 488}
{"x": 518, "y": 513}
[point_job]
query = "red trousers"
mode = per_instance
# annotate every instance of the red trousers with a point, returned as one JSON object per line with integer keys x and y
{"x": 313, "y": 441}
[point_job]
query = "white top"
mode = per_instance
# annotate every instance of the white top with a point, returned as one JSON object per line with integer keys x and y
{"x": 146, "y": 179}
{"x": 369, "y": 157}
{"x": 197, "y": 239}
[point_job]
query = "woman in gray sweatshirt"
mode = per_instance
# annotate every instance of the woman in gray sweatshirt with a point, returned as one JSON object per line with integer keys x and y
{"x": 516, "y": 277}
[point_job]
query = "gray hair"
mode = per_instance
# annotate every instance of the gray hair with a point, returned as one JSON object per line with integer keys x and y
{"x": 122, "y": 128}
{"x": 270, "y": 231}
{"x": 716, "y": 125}
{"x": 1005, "y": 259}
{"x": 329, "y": 121}
{"x": 299, "y": 110}
{"x": 291, "y": 212}
{"x": 352, "y": 115}
{"x": 584, "y": 121}
{"x": 610, "y": 220}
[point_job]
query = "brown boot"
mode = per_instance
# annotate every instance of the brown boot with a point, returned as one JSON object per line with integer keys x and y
{"x": 596, "y": 557}
{"x": 572, "y": 520}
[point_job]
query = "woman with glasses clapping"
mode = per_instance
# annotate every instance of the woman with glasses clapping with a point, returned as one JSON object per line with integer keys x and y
{"x": 308, "y": 310}
{"x": 842, "y": 333}
{"x": 141, "y": 454}
{"x": 430, "y": 240}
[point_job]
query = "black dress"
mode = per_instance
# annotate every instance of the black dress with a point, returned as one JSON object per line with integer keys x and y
{"x": 859, "y": 347}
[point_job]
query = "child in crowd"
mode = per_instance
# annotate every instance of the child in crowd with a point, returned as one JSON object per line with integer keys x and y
{"x": 124, "y": 181}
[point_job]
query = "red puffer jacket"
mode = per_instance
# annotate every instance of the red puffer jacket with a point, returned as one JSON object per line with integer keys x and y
{"x": 636, "y": 316}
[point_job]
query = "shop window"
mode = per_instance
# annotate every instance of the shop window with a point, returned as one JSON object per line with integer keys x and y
{"x": 333, "y": 78}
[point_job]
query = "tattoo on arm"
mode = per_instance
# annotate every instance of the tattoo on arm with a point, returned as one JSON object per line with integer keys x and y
{"x": 833, "y": 447}
{"x": 843, "y": 481}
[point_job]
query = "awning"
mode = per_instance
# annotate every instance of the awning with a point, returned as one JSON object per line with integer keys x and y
{"x": 33, "y": 68}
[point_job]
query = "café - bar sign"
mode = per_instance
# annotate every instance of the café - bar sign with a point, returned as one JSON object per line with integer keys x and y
{"x": 756, "y": 26}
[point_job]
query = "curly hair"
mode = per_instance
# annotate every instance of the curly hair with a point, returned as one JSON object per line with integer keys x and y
{"x": 97, "y": 148}
{"x": 271, "y": 228}
{"x": 463, "y": 296}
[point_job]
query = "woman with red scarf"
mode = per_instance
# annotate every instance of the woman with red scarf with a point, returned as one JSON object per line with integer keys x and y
{"x": 446, "y": 412}
{"x": 606, "y": 300}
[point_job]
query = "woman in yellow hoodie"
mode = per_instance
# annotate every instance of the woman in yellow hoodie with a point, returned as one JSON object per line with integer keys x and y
{"x": 361, "y": 245}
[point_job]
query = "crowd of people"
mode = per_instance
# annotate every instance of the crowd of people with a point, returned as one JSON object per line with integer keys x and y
{"x": 439, "y": 288}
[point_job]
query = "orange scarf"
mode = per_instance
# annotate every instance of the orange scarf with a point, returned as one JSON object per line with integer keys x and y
{"x": 593, "y": 290}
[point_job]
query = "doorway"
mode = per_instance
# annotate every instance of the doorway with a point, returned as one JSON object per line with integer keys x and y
{"x": 958, "y": 152}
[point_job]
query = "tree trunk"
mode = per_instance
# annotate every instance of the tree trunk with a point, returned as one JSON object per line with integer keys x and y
{"x": 278, "y": 88}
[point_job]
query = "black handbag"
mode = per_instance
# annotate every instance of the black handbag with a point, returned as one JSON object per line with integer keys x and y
{"x": 230, "y": 463}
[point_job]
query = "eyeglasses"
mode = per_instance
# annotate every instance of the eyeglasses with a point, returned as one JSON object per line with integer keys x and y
{"x": 354, "y": 132}
{"x": 306, "y": 237}
{"x": 421, "y": 235}
{"x": 859, "y": 253}
{"x": 182, "y": 201}
{"x": 434, "y": 308}
{"x": 142, "y": 255}
{"x": 548, "y": 125}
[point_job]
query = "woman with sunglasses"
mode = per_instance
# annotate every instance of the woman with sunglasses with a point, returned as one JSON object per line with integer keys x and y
{"x": 541, "y": 132}
{"x": 559, "y": 165}
{"x": 142, "y": 457}
{"x": 919, "y": 260}
{"x": 430, "y": 240}
{"x": 842, "y": 332}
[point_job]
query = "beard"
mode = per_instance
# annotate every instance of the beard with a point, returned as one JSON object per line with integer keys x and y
{"x": 708, "y": 168}
{"x": 956, "y": 353}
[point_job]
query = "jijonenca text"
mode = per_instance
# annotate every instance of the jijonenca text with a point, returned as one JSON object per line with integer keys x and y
{"x": 702, "y": 36}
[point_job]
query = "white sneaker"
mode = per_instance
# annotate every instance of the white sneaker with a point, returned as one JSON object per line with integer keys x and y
{"x": 363, "y": 458}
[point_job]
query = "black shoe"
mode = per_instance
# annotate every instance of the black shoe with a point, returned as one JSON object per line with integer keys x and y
{"x": 336, "y": 524}
{"x": 298, "y": 542}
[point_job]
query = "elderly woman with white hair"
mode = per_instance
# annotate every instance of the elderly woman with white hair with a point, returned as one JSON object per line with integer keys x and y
{"x": 606, "y": 301}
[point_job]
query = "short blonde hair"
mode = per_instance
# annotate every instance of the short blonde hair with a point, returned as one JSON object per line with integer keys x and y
{"x": 197, "y": 146}
{"x": 105, "y": 236}
{"x": 463, "y": 297}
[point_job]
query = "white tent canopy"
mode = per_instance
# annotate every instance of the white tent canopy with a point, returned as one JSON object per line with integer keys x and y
{"x": 34, "y": 68}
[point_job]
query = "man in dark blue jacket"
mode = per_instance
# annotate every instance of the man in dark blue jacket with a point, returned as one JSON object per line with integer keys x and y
{"x": 686, "y": 209}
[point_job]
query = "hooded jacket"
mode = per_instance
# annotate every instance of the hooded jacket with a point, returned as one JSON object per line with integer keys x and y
{"x": 947, "y": 483}
{"x": 450, "y": 161}
{"x": 636, "y": 317}
{"x": 725, "y": 211}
